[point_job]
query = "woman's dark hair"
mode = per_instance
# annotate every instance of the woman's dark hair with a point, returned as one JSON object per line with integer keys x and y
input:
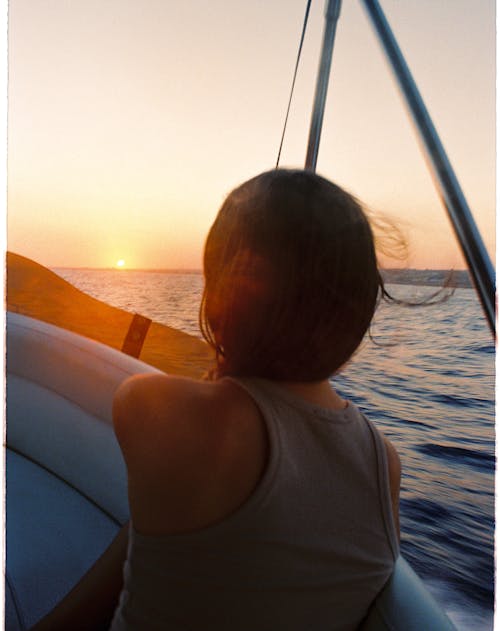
{"x": 291, "y": 278}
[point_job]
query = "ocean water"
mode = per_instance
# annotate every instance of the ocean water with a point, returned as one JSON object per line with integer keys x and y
{"x": 426, "y": 378}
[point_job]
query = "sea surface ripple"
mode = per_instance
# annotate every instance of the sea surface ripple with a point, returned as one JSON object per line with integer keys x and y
{"x": 426, "y": 378}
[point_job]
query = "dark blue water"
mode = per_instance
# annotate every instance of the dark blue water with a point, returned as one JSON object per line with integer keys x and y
{"x": 427, "y": 381}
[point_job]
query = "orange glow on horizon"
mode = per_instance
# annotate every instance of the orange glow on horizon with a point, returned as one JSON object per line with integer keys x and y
{"x": 150, "y": 162}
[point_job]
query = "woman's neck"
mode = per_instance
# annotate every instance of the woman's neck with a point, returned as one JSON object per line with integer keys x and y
{"x": 319, "y": 393}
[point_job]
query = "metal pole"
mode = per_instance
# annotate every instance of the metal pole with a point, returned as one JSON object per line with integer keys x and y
{"x": 331, "y": 18}
{"x": 445, "y": 180}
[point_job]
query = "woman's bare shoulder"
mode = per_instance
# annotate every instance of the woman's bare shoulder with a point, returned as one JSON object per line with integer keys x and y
{"x": 144, "y": 392}
{"x": 187, "y": 444}
{"x": 164, "y": 408}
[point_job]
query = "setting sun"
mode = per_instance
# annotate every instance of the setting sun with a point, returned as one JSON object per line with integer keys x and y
{"x": 120, "y": 263}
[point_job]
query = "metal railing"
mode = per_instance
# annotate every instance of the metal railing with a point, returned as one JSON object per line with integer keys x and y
{"x": 449, "y": 190}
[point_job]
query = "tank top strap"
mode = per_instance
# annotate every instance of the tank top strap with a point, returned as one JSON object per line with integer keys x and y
{"x": 384, "y": 487}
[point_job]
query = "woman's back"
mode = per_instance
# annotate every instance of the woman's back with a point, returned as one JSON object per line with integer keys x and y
{"x": 304, "y": 539}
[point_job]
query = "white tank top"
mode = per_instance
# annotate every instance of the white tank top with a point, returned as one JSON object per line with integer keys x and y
{"x": 309, "y": 550}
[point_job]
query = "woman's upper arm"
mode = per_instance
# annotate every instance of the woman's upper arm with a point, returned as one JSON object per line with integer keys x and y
{"x": 134, "y": 405}
{"x": 123, "y": 408}
{"x": 162, "y": 425}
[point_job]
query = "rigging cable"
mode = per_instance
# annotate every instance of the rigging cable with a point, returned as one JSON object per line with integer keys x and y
{"x": 306, "y": 17}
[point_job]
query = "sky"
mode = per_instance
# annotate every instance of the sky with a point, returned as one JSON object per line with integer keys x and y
{"x": 130, "y": 121}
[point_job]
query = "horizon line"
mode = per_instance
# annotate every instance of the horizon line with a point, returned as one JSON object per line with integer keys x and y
{"x": 194, "y": 270}
{"x": 183, "y": 270}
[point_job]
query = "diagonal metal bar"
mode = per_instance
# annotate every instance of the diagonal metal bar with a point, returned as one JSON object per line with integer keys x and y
{"x": 332, "y": 14}
{"x": 451, "y": 194}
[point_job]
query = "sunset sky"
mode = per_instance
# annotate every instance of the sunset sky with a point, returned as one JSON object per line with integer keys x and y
{"x": 129, "y": 121}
